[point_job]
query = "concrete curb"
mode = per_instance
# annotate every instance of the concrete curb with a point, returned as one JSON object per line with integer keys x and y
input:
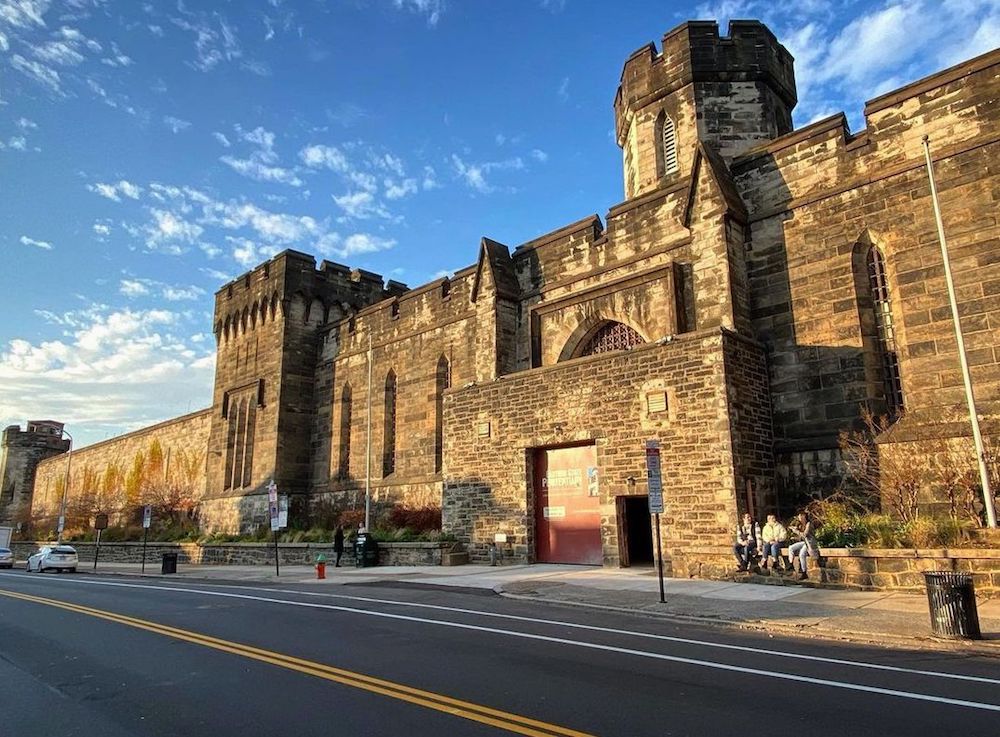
{"x": 976, "y": 647}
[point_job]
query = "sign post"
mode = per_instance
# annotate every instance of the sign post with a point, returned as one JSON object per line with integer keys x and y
{"x": 654, "y": 483}
{"x": 100, "y": 524}
{"x": 273, "y": 513}
{"x": 147, "y": 517}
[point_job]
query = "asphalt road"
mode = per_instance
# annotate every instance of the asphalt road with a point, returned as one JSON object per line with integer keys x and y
{"x": 110, "y": 656}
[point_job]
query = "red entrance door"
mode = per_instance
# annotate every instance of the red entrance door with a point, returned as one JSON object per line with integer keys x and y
{"x": 567, "y": 515}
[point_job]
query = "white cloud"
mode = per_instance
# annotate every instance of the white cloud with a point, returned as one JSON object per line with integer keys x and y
{"x": 117, "y": 190}
{"x": 538, "y": 155}
{"x": 102, "y": 229}
{"x": 176, "y": 125}
{"x": 18, "y": 143}
{"x": 170, "y": 232}
{"x": 221, "y": 138}
{"x": 215, "y": 41}
{"x": 44, "y": 245}
{"x": 44, "y": 75}
{"x": 430, "y": 178}
{"x": 178, "y": 294}
{"x": 360, "y": 204}
{"x": 262, "y": 164}
{"x": 474, "y": 174}
{"x": 563, "y": 92}
{"x": 25, "y": 124}
{"x": 99, "y": 375}
{"x": 397, "y": 190}
{"x": 133, "y": 287}
{"x": 432, "y": 9}
{"x": 324, "y": 157}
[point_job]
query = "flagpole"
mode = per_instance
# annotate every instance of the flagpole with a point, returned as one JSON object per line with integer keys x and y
{"x": 368, "y": 441}
{"x": 984, "y": 474}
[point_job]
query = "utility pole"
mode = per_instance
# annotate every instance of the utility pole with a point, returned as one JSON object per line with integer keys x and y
{"x": 62, "y": 504}
{"x": 984, "y": 474}
{"x": 368, "y": 442}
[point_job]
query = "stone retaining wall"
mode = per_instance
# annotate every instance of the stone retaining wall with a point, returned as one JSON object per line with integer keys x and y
{"x": 245, "y": 554}
{"x": 873, "y": 569}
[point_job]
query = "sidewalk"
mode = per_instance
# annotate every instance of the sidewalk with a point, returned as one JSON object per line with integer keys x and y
{"x": 877, "y": 616}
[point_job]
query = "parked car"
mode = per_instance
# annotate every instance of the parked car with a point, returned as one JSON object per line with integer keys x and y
{"x": 53, "y": 557}
{"x": 6, "y": 558}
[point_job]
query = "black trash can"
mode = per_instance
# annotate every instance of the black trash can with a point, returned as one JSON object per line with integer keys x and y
{"x": 365, "y": 550}
{"x": 952, "y": 600}
{"x": 169, "y": 563}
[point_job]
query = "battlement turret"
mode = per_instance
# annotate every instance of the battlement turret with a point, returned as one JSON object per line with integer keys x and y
{"x": 732, "y": 92}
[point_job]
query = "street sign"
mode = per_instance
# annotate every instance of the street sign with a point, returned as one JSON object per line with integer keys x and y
{"x": 101, "y": 521}
{"x": 654, "y": 481}
{"x": 272, "y": 492}
{"x": 62, "y": 524}
{"x": 147, "y": 516}
{"x": 282, "y": 512}
{"x": 272, "y": 513}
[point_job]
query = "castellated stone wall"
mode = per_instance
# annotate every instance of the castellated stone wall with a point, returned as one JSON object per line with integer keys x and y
{"x": 820, "y": 198}
{"x": 708, "y": 449}
{"x": 124, "y": 469}
{"x": 22, "y": 451}
{"x": 422, "y": 342}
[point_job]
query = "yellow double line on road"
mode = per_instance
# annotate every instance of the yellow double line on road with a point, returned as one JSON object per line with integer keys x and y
{"x": 428, "y": 699}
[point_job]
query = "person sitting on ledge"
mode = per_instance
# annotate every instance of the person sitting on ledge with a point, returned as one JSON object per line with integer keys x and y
{"x": 773, "y": 537}
{"x": 745, "y": 549}
{"x": 806, "y": 547}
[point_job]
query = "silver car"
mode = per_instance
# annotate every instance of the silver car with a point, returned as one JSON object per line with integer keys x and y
{"x": 6, "y": 558}
{"x": 53, "y": 557}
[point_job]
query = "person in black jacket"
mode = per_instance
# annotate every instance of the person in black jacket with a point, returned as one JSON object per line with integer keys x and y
{"x": 338, "y": 544}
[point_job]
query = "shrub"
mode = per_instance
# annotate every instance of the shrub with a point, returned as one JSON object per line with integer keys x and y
{"x": 424, "y": 519}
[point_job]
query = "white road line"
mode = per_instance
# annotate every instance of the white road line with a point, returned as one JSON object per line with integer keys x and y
{"x": 586, "y": 645}
{"x": 571, "y": 625}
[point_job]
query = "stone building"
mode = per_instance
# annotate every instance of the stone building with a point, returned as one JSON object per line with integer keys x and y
{"x": 756, "y": 288}
{"x": 22, "y": 451}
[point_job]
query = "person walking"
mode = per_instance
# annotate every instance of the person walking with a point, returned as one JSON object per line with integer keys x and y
{"x": 773, "y": 538}
{"x": 338, "y": 544}
{"x": 806, "y": 547}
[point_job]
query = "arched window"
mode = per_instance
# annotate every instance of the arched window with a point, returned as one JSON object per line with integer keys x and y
{"x": 610, "y": 336}
{"x": 236, "y": 472}
{"x": 442, "y": 381}
{"x": 246, "y": 462}
{"x": 389, "y": 426}
{"x": 667, "y": 143}
{"x": 878, "y": 286}
{"x": 346, "y": 410}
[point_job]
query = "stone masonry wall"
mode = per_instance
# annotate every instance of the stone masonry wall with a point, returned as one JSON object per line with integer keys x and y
{"x": 120, "y": 466}
{"x": 491, "y": 429}
{"x": 244, "y": 554}
{"x": 22, "y": 451}
{"x": 819, "y": 198}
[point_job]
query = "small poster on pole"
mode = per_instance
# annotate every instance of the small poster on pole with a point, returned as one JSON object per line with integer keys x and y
{"x": 282, "y": 512}
{"x": 272, "y": 511}
{"x": 147, "y": 516}
{"x": 654, "y": 480}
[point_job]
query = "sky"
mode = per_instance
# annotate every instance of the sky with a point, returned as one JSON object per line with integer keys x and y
{"x": 150, "y": 152}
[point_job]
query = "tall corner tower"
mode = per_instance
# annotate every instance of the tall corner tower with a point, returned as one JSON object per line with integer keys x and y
{"x": 270, "y": 325}
{"x": 22, "y": 451}
{"x": 732, "y": 92}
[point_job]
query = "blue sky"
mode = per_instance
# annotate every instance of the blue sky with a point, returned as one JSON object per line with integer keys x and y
{"x": 150, "y": 151}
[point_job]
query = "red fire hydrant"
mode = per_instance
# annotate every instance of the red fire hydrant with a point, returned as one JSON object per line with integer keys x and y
{"x": 321, "y": 566}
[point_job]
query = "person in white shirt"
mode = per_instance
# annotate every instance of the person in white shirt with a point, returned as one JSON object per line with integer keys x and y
{"x": 773, "y": 538}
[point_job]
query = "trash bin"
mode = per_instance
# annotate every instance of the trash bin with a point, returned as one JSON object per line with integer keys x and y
{"x": 169, "y": 563}
{"x": 365, "y": 551}
{"x": 952, "y": 600}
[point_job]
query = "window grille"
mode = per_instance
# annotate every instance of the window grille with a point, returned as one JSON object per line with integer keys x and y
{"x": 442, "y": 382}
{"x": 882, "y": 306}
{"x": 669, "y": 143}
{"x": 389, "y": 426}
{"x": 612, "y": 336}
{"x": 346, "y": 410}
